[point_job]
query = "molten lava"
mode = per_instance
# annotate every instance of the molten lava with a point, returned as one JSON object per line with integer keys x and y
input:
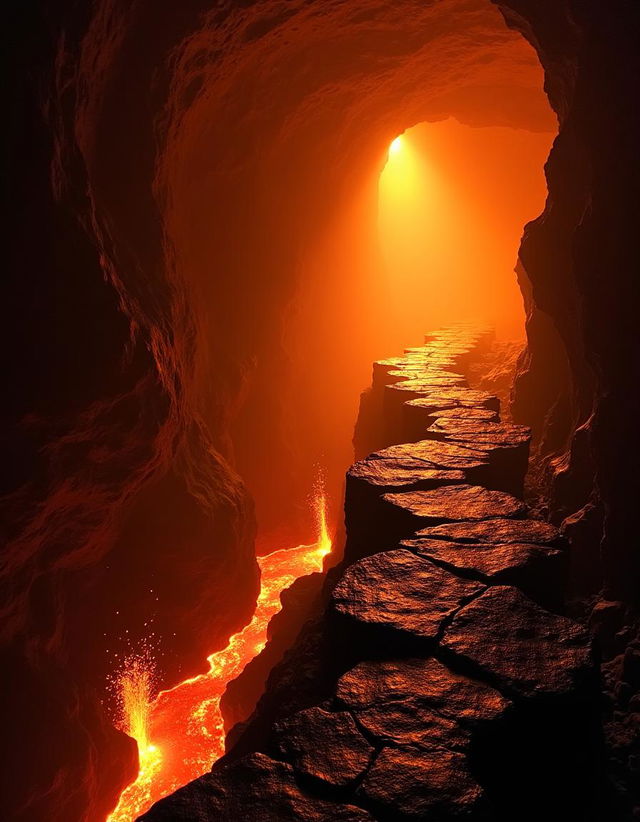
{"x": 180, "y": 733}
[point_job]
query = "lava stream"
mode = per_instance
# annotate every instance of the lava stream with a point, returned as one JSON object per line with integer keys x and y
{"x": 181, "y": 733}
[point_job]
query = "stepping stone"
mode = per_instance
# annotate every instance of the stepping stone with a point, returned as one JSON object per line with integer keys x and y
{"x": 454, "y": 502}
{"x": 417, "y": 415}
{"x": 392, "y": 474}
{"x": 526, "y": 650}
{"x": 461, "y": 413}
{"x": 532, "y": 568}
{"x": 462, "y": 397}
{"x": 418, "y": 702}
{"x": 427, "y": 681}
{"x": 253, "y": 789}
{"x": 324, "y": 745}
{"x": 493, "y": 433}
{"x": 376, "y": 521}
{"x": 507, "y": 446}
{"x": 396, "y": 592}
{"x": 372, "y": 523}
{"x": 498, "y": 530}
{"x": 411, "y": 723}
{"x": 434, "y": 785}
{"x": 435, "y": 454}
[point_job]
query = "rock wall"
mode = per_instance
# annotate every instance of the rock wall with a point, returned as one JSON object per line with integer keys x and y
{"x": 121, "y": 514}
{"x": 578, "y": 264}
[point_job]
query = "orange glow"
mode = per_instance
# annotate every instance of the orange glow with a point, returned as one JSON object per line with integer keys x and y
{"x": 180, "y": 733}
{"x": 451, "y": 209}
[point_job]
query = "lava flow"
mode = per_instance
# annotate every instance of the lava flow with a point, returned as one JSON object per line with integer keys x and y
{"x": 181, "y": 733}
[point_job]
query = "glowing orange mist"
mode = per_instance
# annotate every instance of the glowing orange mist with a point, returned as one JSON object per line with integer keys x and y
{"x": 180, "y": 734}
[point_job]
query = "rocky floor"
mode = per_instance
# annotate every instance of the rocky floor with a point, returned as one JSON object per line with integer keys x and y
{"x": 447, "y": 683}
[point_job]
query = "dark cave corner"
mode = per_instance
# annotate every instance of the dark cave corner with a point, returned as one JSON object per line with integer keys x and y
{"x": 191, "y": 307}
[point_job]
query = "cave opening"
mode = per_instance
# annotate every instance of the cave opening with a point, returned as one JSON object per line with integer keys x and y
{"x": 452, "y": 205}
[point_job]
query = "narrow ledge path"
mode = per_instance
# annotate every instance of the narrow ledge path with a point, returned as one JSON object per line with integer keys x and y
{"x": 471, "y": 696}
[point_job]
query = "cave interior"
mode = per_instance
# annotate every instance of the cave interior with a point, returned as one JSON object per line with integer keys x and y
{"x": 218, "y": 217}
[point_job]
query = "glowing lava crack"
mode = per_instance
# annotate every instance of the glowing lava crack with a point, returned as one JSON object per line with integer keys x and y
{"x": 180, "y": 733}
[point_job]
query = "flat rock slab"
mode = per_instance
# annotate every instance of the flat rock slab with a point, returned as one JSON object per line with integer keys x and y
{"x": 490, "y": 562}
{"x": 523, "y": 648}
{"x": 480, "y": 431}
{"x": 457, "y": 502}
{"x": 460, "y": 397}
{"x": 413, "y": 723}
{"x": 254, "y": 789}
{"x": 499, "y": 531}
{"x": 461, "y": 413}
{"x": 426, "y": 383}
{"x": 399, "y": 591}
{"x": 399, "y": 473}
{"x": 324, "y": 745}
{"x": 426, "y": 681}
{"x": 434, "y": 455}
{"x": 432, "y": 785}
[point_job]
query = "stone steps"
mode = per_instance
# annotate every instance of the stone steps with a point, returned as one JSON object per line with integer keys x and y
{"x": 460, "y": 691}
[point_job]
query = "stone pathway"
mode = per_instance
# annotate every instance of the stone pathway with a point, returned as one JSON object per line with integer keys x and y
{"x": 473, "y": 697}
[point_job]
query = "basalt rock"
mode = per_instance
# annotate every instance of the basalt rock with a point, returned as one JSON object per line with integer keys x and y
{"x": 391, "y": 517}
{"x": 254, "y": 789}
{"x": 497, "y": 530}
{"x": 326, "y": 746}
{"x": 394, "y": 596}
{"x": 435, "y": 784}
{"x": 425, "y": 681}
{"x": 538, "y": 570}
{"x": 526, "y": 650}
{"x": 430, "y": 689}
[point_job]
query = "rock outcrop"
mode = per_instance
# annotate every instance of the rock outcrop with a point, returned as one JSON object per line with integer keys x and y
{"x": 445, "y": 683}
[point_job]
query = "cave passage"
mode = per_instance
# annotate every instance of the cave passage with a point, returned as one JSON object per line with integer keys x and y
{"x": 221, "y": 215}
{"x": 453, "y": 201}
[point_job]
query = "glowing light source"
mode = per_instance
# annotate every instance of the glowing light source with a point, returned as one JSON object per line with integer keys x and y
{"x": 395, "y": 146}
{"x": 180, "y": 733}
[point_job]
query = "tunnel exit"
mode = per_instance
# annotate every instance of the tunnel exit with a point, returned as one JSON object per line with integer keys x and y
{"x": 452, "y": 203}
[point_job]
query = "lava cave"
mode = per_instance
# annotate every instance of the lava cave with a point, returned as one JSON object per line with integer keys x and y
{"x": 320, "y": 420}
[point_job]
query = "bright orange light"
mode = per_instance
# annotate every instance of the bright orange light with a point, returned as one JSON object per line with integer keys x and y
{"x": 180, "y": 733}
{"x": 451, "y": 208}
{"x": 395, "y": 146}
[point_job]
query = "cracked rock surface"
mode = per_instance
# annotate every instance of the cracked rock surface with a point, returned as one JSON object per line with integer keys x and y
{"x": 449, "y": 686}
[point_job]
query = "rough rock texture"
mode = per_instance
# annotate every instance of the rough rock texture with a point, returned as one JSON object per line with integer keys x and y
{"x": 389, "y": 591}
{"x": 425, "y": 681}
{"x": 524, "y": 649}
{"x": 426, "y": 784}
{"x": 538, "y": 570}
{"x": 574, "y": 386}
{"x": 255, "y": 789}
{"x": 428, "y": 689}
{"x": 497, "y": 530}
{"x": 325, "y": 746}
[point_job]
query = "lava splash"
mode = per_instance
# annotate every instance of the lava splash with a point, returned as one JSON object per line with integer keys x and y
{"x": 180, "y": 733}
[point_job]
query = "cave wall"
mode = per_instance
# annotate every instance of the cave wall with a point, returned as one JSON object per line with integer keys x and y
{"x": 121, "y": 517}
{"x": 579, "y": 276}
